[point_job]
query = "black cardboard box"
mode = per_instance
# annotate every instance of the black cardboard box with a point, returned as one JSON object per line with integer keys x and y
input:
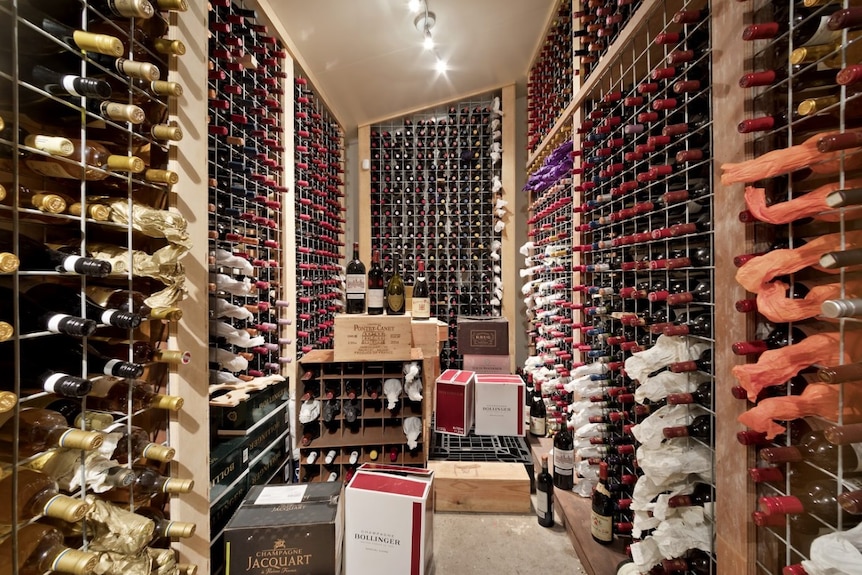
{"x": 483, "y": 336}
{"x": 236, "y": 419}
{"x": 294, "y": 529}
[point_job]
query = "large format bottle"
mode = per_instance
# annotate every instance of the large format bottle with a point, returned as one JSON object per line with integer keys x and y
{"x": 564, "y": 459}
{"x": 376, "y": 285}
{"x": 601, "y": 513}
{"x": 36, "y": 256}
{"x": 37, "y": 494}
{"x": 545, "y": 495}
{"x": 395, "y": 291}
{"x": 41, "y": 429}
{"x": 69, "y": 300}
{"x": 421, "y": 301}
{"x": 355, "y": 283}
{"x": 40, "y": 549}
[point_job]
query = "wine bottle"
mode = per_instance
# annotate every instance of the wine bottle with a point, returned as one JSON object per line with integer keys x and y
{"x": 376, "y": 285}
{"x": 395, "y": 291}
{"x": 113, "y": 394}
{"x": 700, "y": 428}
{"x": 564, "y": 460}
{"x": 69, "y": 300}
{"x": 538, "y": 416}
{"x": 601, "y": 512}
{"x": 35, "y": 42}
{"x": 35, "y": 256}
{"x": 695, "y": 561}
{"x": 97, "y": 159}
{"x": 34, "y": 318}
{"x": 702, "y": 363}
{"x": 37, "y": 494}
{"x": 134, "y": 444}
{"x": 141, "y": 352}
{"x": 818, "y": 497}
{"x": 147, "y": 484}
{"x": 703, "y": 493}
{"x": 814, "y": 447}
{"x": 421, "y": 308}
{"x": 41, "y": 429}
{"x": 61, "y": 85}
{"x": 165, "y": 529}
{"x": 132, "y": 302}
{"x": 44, "y": 551}
{"x": 545, "y": 495}
{"x": 355, "y": 283}
{"x": 702, "y": 396}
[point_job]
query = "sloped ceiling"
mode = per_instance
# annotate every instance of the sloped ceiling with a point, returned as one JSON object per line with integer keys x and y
{"x": 367, "y": 60}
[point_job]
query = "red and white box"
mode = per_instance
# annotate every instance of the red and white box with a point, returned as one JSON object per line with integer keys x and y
{"x": 389, "y": 520}
{"x": 499, "y": 404}
{"x": 453, "y": 402}
{"x": 496, "y": 364}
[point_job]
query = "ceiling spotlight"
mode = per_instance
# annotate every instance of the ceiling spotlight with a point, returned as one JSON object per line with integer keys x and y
{"x": 441, "y": 66}
{"x": 428, "y": 42}
{"x": 425, "y": 21}
{"x": 414, "y": 5}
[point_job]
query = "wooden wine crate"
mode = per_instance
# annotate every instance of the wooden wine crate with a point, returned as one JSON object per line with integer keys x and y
{"x": 363, "y": 337}
{"x": 481, "y": 487}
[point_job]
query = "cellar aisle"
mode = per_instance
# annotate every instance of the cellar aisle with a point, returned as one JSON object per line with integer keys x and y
{"x": 501, "y": 544}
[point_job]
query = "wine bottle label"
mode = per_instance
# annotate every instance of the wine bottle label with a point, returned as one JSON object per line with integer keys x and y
{"x": 601, "y": 526}
{"x": 537, "y": 425}
{"x": 69, "y": 264}
{"x": 55, "y": 321}
{"x": 541, "y": 504}
{"x": 355, "y": 286}
{"x": 111, "y": 364}
{"x": 106, "y": 317}
{"x": 375, "y": 298}
{"x": 564, "y": 461}
{"x": 421, "y": 307}
{"x": 69, "y": 84}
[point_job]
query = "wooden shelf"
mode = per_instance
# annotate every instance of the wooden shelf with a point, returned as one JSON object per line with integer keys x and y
{"x": 573, "y": 512}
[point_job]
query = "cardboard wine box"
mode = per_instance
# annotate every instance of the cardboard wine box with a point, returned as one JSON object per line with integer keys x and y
{"x": 389, "y": 521}
{"x": 453, "y": 402}
{"x": 483, "y": 336}
{"x": 499, "y": 364}
{"x": 294, "y": 529}
{"x": 499, "y": 404}
{"x": 363, "y": 337}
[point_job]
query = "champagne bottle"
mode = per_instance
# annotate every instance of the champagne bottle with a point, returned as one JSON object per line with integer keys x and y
{"x": 98, "y": 161}
{"x": 37, "y": 494}
{"x": 34, "y": 42}
{"x": 35, "y": 318}
{"x": 376, "y": 285}
{"x": 41, "y": 549}
{"x": 355, "y": 284}
{"x": 395, "y": 291}
{"x": 69, "y": 300}
{"x": 545, "y": 495}
{"x": 41, "y": 429}
{"x": 601, "y": 513}
{"x": 42, "y": 200}
{"x": 564, "y": 460}
{"x": 421, "y": 302}
{"x": 113, "y": 394}
{"x": 35, "y": 256}
{"x": 165, "y": 529}
{"x": 135, "y": 444}
{"x": 147, "y": 484}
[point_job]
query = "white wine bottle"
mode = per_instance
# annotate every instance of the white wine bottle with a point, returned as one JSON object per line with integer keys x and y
{"x": 395, "y": 291}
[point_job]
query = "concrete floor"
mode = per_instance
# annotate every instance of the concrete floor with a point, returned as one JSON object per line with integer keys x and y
{"x": 466, "y": 543}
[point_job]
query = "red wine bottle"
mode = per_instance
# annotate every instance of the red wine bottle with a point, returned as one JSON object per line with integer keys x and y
{"x": 564, "y": 460}
{"x": 601, "y": 512}
{"x": 545, "y": 495}
{"x": 355, "y": 283}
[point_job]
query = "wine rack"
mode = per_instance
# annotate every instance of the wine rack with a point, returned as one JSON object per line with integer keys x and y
{"x": 359, "y": 418}
{"x": 249, "y": 344}
{"x": 798, "y": 85}
{"x": 106, "y": 191}
{"x": 319, "y": 208}
{"x": 437, "y": 196}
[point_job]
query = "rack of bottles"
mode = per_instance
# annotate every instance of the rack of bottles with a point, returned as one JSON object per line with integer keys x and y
{"x": 247, "y": 305}
{"x": 641, "y": 272}
{"x": 319, "y": 183}
{"x": 92, "y": 281}
{"x": 437, "y": 196}
{"x": 550, "y": 84}
{"x": 351, "y": 413}
{"x": 800, "y": 87}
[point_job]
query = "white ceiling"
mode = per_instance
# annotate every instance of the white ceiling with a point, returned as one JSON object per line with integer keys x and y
{"x": 366, "y": 59}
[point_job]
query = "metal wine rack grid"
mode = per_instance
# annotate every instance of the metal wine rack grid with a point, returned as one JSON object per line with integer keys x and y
{"x": 435, "y": 183}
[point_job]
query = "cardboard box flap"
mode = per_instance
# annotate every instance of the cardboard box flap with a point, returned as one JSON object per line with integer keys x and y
{"x": 390, "y": 484}
{"x": 498, "y": 378}
{"x": 273, "y": 505}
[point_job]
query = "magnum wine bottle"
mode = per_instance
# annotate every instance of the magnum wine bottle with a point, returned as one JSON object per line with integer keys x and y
{"x": 376, "y": 285}
{"x": 355, "y": 283}
{"x": 395, "y": 291}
